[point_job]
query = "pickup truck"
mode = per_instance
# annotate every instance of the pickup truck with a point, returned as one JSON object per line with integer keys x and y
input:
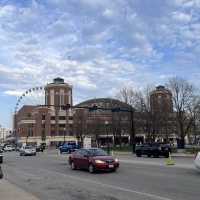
{"x": 68, "y": 147}
{"x": 153, "y": 149}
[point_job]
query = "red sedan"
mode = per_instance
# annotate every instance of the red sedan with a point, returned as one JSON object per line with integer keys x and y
{"x": 93, "y": 159}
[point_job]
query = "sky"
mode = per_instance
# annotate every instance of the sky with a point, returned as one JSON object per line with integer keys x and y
{"x": 98, "y": 46}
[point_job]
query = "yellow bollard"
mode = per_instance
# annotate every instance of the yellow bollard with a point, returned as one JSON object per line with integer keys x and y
{"x": 169, "y": 161}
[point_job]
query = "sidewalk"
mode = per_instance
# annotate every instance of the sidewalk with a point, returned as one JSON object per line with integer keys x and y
{"x": 9, "y": 191}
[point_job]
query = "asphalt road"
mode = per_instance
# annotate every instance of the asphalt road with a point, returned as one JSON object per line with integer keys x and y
{"x": 48, "y": 177}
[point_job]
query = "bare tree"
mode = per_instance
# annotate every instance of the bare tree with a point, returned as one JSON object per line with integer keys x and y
{"x": 80, "y": 124}
{"x": 128, "y": 95}
{"x": 183, "y": 98}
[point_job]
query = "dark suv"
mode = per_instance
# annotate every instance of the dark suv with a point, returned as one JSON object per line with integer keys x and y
{"x": 153, "y": 149}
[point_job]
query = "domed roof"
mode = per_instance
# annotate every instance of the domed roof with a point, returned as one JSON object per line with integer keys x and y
{"x": 104, "y": 102}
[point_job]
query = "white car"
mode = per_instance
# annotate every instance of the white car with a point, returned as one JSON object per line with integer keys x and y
{"x": 8, "y": 148}
{"x": 197, "y": 161}
{"x": 27, "y": 151}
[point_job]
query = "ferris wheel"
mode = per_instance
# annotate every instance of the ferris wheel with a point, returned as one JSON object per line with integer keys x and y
{"x": 33, "y": 96}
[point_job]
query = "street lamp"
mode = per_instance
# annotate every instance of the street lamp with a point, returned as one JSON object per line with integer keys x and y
{"x": 133, "y": 129}
{"x": 107, "y": 141}
{"x": 64, "y": 133}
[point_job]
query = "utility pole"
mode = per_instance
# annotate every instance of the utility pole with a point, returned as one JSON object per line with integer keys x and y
{"x": 133, "y": 129}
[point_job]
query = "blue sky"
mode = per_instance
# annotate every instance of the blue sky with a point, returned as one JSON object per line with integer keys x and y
{"x": 98, "y": 46}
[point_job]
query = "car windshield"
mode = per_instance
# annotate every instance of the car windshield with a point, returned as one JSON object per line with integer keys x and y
{"x": 28, "y": 147}
{"x": 97, "y": 152}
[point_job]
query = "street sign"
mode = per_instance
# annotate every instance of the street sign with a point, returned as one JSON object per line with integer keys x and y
{"x": 87, "y": 142}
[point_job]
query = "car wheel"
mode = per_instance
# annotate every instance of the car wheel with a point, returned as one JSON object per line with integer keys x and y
{"x": 73, "y": 166}
{"x": 138, "y": 154}
{"x": 156, "y": 155}
{"x": 91, "y": 168}
{"x": 149, "y": 155}
{"x": 167, "y": 155}
{"x": 115, "y": 169}
{"x": 1, "y": 173}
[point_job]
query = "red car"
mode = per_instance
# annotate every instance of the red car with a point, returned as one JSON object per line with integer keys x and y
{"x": 93, "y": 159}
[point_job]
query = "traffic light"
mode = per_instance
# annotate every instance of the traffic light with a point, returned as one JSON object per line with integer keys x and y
{"x": 93, "y": 108}
{"x": 65, "y": 107}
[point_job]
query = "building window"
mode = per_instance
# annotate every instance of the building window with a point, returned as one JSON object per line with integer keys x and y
{"x": 62, "y": 125}
{"x": 53, "y": 133}
{"x": 29, "y": 115}
{"x": 52, "y": 117}
{"x": 62, "y": 118}
{"x": 51, "y": 97}
{"x": 30, "y": 132}
{"x": 43, "y": 117}
{"x": 70, "y": 118}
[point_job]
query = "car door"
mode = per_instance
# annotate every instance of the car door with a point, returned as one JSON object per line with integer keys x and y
{"x": 84, "y": 159}
{"x": 145, "y": 149}
{"x": 77, "y": 158}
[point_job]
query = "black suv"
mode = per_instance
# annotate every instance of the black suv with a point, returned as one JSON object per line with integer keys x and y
{"x": 153, "y": 149}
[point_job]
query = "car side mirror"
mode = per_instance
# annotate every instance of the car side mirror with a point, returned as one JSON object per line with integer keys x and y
{"x": 85, "y": 156}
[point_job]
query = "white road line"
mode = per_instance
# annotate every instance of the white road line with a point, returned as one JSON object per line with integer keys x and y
{"x": 152, "y": 196}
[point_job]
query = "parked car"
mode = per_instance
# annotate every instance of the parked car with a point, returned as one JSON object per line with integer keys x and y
{"x": 197, "y": 161}
{"x": 9, "y": 148}
{"x": 93, "y": 159}
{"x": 40, "y": 148}
{"x": 153, "y": 149}
{"x": 68, "y": 147}
{"x": 1, "y": 156}
{"x": 27, "y": 151}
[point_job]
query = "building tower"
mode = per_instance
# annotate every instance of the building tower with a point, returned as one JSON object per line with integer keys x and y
{"x": 58, "y": 93}
{"x": 161, "y": 100}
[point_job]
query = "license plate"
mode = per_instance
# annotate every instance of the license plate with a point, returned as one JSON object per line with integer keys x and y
{"x": 110, "y": 166}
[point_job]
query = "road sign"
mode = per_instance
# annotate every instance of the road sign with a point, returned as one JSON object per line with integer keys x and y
{"x": 87, "y": 142}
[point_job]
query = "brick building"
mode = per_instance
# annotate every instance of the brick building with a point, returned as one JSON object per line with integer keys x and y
{"x": 52, "y": 125}
{"x": 47, "y": 124}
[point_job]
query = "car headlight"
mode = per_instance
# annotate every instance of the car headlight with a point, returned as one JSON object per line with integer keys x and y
{"x": 99, "y": 161}
{"x": 116, "y": 160}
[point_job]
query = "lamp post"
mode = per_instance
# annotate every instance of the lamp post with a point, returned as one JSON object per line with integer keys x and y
{"x": 64, "y": 134}
{"x": 107, "y": 141}
{"x": 133, "y": 129}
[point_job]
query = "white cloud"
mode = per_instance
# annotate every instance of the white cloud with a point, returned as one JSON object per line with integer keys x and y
{"x": 16, "y": 93}
{"x": 182, "y": 17}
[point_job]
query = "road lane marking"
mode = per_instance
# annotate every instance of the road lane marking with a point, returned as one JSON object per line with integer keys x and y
{"x": 149, "y": 195}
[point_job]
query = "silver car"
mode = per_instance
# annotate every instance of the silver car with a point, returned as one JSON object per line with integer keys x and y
{"x": 27, "y": 151}
{"x": 197, "y": 161}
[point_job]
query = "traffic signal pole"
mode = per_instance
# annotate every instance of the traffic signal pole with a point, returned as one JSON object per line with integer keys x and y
{"x": 116, "y": 109}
